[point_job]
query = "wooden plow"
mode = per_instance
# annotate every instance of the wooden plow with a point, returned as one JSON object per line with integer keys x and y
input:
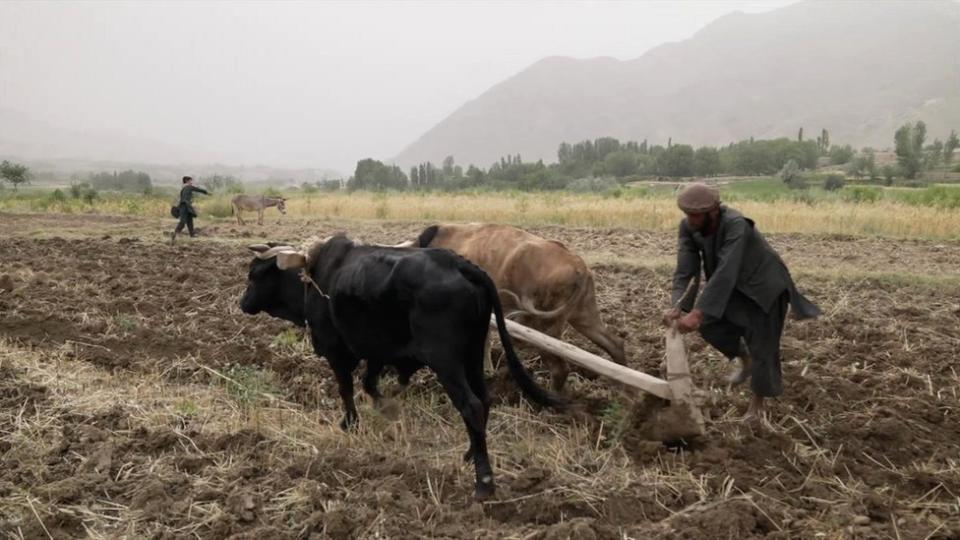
{"x": 682, "y": 420}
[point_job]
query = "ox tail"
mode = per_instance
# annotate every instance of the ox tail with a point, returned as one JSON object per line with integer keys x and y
{"x": 527, "y": 385}
{"x": 526, "y": 305}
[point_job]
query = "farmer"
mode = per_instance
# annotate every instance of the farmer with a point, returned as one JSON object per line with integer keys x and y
{"x": 742, "y": 308}
{"x": 187, "y": 212}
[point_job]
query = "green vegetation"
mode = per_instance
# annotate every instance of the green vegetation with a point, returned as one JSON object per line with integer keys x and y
{"x": 247, "y": 385}
{"x": 613, "y": 161}
{"x": 833, "y": 182}
{"x": 909, "y": 145}
{"x": 135, "y": 181}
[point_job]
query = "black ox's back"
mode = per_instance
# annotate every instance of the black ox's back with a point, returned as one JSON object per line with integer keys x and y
{"x": 404, "y": 307}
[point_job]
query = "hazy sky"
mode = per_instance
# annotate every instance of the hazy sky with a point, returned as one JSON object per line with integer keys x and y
{"x": 316, "y": 84}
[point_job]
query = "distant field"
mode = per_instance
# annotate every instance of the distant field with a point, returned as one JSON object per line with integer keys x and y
{"x": 930, "y": 212}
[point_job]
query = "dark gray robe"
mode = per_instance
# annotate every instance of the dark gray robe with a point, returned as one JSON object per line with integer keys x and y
{"x": 746, "y": 295}
{"x": 736, "y": 257}
{"x": 186, "y": 199}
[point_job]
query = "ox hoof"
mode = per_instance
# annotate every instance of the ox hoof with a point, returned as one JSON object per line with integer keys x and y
{"x": 484, "y": 490}
{"x": 348, "y": 424}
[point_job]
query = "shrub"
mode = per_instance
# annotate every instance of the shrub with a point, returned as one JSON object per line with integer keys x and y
{"x": 888, "y": 172}
{"x": 89, "y": 196}
{"x": 58, "y": 196}
{"x": 790, "y": 174}
{"x": 833, "y": 182}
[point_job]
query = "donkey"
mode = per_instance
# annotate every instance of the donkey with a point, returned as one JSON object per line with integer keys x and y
{"x": 258, "y": 203}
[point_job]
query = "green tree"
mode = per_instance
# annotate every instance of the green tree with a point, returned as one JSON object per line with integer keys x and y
{"x": 14, "y": 173}
{"x": 475, "y": 176}
{"x": 374, "y": 175}
{"x": 840, "y": 155}
{"x": 706, "y": 161}
{"x": 935, "y": 154}
{"x": 620, "y": 163}
{"x": 952, "y": 143}
{"x": 676, "y": 160}
{"x": 888, "y": 172}
{"x": 909, "y": 148}
{"x": 448, "y": 166}
{"x": 863, "y": 164}
{"x": 800, "y": 135}
{"x": 790, "y": 173}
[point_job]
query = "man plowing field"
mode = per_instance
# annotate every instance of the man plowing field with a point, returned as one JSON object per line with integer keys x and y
{"x": 742, "y": 308}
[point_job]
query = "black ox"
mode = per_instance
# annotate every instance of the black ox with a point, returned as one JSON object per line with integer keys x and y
{"x": 402, "y": 307}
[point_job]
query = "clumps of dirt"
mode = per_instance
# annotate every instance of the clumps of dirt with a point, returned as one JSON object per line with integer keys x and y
{"x": 672, "y": 424}
{"x": 6, "y": 283}
{"x": 17, "y": 394}
{"x": 865, "y": 429}
{"x": 729, "y": 519}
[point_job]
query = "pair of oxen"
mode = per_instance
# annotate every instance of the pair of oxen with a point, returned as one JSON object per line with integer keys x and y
{"x": 428, "y": 302}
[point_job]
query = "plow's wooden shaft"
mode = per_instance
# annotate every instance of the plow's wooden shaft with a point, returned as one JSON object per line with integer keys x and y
{"x": 602, "y": 366}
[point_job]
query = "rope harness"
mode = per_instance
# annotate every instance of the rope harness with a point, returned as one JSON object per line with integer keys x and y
{"x": 307, "y": 280}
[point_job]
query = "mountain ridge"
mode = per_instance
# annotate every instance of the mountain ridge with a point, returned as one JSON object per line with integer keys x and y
{"x": 857, "y": 69}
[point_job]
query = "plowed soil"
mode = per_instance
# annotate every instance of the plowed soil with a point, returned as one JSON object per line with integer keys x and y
{"x": 137, "y": 400}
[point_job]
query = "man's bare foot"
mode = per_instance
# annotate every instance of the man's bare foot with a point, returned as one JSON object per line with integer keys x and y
{"x": 756, "y": 409}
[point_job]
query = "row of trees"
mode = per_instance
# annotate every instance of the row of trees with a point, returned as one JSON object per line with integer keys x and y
{"x": 603, "y": 157}
{"x": 608, "y": 157}
{"x": 129, "y": 180}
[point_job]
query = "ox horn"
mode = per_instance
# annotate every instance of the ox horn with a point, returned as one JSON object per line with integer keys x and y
{"x": 272, "y": 252}
{"x": 291, "y": 260}
{"x": 258, "y": 248}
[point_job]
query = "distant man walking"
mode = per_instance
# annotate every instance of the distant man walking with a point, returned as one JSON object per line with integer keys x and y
{"x": 187, "y": 212}
{"x": 743, "y": 306}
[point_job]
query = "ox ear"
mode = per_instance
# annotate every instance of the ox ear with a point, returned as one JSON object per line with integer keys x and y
{"x": 291, "y": 260}
{"x": 258, "y": 248}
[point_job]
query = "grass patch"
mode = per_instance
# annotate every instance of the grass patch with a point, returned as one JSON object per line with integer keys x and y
{"x": 929, "y": 212}
{"x": 248, "y": 386}
{"x": 289, "y": 338}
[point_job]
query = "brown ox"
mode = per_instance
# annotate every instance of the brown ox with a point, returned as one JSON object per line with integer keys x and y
{"x": 537, "y": 278}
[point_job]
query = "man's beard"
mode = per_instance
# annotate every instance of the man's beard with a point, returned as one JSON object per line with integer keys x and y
{"x": 706, "y": 228}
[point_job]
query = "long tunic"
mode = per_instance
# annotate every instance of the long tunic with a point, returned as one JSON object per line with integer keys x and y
{"x": 746, "y": 295}
{"x": 186, "y": 198}
{"x": 734, "y": 258}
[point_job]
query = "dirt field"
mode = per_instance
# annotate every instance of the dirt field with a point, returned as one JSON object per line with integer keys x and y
{"x": 136, "y": 400}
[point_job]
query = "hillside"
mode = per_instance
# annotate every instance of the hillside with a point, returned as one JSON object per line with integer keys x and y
{"x": 857, "y": 69}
